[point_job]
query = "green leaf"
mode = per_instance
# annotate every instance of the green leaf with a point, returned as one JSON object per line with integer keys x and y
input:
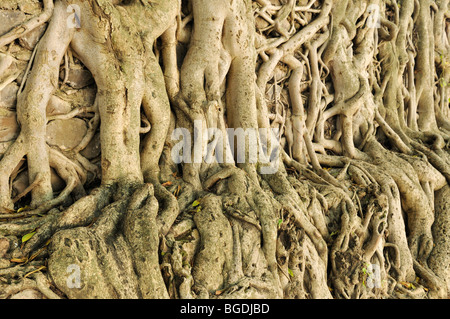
{"x": 195, "y": 203}
{"x": 334, "y": 233}
{"x": 280, "y": 221}
{"x": 27, "y": 237}
{"x": 291, "y": 273}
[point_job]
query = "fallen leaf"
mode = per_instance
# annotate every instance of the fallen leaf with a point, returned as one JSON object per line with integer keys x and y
{"x": 291, "y": 273}
{"x": 21, "y": 209}
{"x": 18, "y": 260}
{"x": 407, "y": 285}
{"x": 27, "y": 236}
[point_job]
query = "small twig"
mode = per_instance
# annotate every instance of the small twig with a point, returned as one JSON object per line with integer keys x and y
{"x": 29, "y": 25}
{"x": 75, "y": 112}
{"x": 9, "y": 79}
{"x": 34, "y": 271}
{"x": 30, "y": 62}
{"x": 36, "y": 182}
{"x": 238, "y": 215}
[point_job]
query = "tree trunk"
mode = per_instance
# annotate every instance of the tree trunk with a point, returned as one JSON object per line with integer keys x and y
{"x": 225, "y": 149}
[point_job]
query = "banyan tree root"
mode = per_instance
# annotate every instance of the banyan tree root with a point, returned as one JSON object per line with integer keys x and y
{"x": 109, "y": 251}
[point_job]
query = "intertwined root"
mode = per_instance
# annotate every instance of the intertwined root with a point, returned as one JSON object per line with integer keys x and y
{"x": 117, "y": 254}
